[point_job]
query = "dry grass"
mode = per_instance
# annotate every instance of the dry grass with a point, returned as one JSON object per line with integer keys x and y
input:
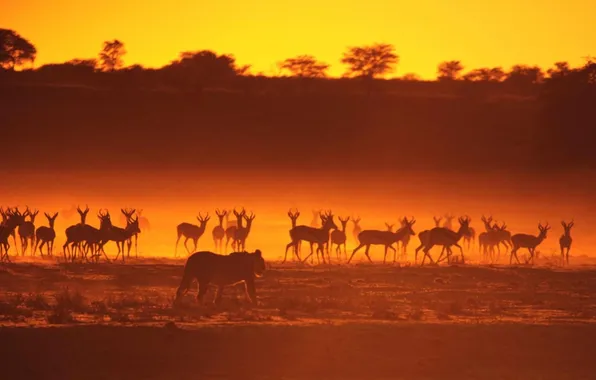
{"x": 143, "y": 294}
{"x": 368, "y": 321}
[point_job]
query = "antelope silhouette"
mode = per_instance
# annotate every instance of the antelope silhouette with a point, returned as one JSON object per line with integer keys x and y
{"x": 339, "y": 237}
{"x": 219, "y": 232}
{"x": 530, "y": 242}
{"x": 27, "y": 231}
{"x": 191, "y": 231}
{"x": 319, "y": 236}
{"x": 444, "y": 237}
{"x": 385, "y": 238}
{"x": 565, "y": 241}
{"x": 46, "y": 235}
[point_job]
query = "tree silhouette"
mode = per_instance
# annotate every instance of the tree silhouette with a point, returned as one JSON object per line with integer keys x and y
{"x": 411, "y": 77}
{"x": 449, "y": 70}
{"x": 525, "y": 75}
{"x": 195, "y": 70}
{"x": 485, "y": 74}
{"x": 304, "y": 66}
{"x": 15, "y": 50}
{"x": 370, "y": 61}
{"x": 110, "y": 57}
{"x": 560, "y": 69}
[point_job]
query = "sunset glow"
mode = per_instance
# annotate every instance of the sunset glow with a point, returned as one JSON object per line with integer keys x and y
{"x": 262, "y": 33}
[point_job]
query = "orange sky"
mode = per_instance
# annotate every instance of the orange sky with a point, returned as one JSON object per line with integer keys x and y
{"x": 263, "y": 32}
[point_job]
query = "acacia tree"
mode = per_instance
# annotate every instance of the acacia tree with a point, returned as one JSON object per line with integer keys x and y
{"x": 15, "y": 50}
{"x": 198, "y": 69}
{"x": 110, "y": 57}
{"x": 370, "y": 61}
{"x": 449, "y": 70}
{"x": 485, "y": 74}
{"x": 525, "y": 75}
{"x": 305, "y": 66}
{"x": 560, "y": 69}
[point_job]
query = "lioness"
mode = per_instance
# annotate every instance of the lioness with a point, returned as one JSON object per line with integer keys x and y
{"x": 221, "y": 270}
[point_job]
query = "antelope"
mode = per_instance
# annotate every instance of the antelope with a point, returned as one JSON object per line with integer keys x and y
{"x": 528, "y": 241}
{"x": 357, "y": 229}
{"x": 386, "y": 238}
{"x": 231, "y": 231}
{"x": 470, "y": 238}
{"x": 405, "y": 241}
{"x": 128, "y": 213}
{"x": 191, "y": 231}
{"x": 437, "y": 221}
{"x": 46, "y": 235}
{"x": 230, "y": 223}
{"x": 219, "y": 231}
{"x": 144, "y": 224}
{"x": 118, "y": 235}
{"x": 313, "y": 235}
{"x": 489, "y": 239}
{"x": 76, "y": 234}
{"x": 12, "y": 219}
{"x": 294, "y": 218}
{"x": 242, "y": 233}
{"x": 448, "y": 221}
{"x": 339, "y": 238}
{"x": 315, "y": 218}
{"x": 27, "y": 231}
{"x": 8, "y": 213}
{"x": 565, "y": 241}
{"x": 443, "y": 237}
{"x": 389, "y": 226}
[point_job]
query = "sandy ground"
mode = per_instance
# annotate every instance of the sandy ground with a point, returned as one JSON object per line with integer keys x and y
{"x": 364, "y": 322}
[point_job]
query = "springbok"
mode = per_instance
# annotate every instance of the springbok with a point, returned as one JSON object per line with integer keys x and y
{"x": 339, "y": 238}
{"x": 231, "y": 231}
{"x": 46, "y": 235}
{"x": 230, "y": 223}
{"x": 12, "y": 219}
{"x": 405, "y": 241}
{"x": 528, "y": 241}
{"x": 444, "y": 237}
{"x": 489, "y": 239}
{"x": 12, "y": 213}
{"x": 128, "y": 214}
{"x": 357, "y": 228}
{"x": 118, "y": 235}
{"x": 385, "y": 238}
{"x": 565, "y": 241}
{"x": 144, "y": 224}
{"x": 316, "y": 214}
{"x": 242, "y": 233}
{"x": 293, "y": 215}
{"x": 219, "y": 231}
{"x": 389, "y": 226}
{"x": 27, "y": 231}
{"x": 191, "y": 231}
{"x": 448, "y": 221}
{"x": 313, "y": 235}
{"x": 76, "y": 234}
{"x": 437, "y": 220}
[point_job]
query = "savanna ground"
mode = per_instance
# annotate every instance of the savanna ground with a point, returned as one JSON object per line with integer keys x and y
{"x": 363, "y": 321}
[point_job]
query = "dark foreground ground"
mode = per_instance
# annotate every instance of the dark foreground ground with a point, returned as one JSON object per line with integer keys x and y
{"x": 113, "y": 321}
{"x": 409, "y": 351}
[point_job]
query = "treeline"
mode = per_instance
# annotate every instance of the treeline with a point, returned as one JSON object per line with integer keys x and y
{"x": 559, "y": 134}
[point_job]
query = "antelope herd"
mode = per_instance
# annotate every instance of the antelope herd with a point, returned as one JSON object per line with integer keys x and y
{"x": 85, "y": 242}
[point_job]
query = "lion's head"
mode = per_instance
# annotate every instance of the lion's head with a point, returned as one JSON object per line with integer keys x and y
{"x": 258, "y": 263}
